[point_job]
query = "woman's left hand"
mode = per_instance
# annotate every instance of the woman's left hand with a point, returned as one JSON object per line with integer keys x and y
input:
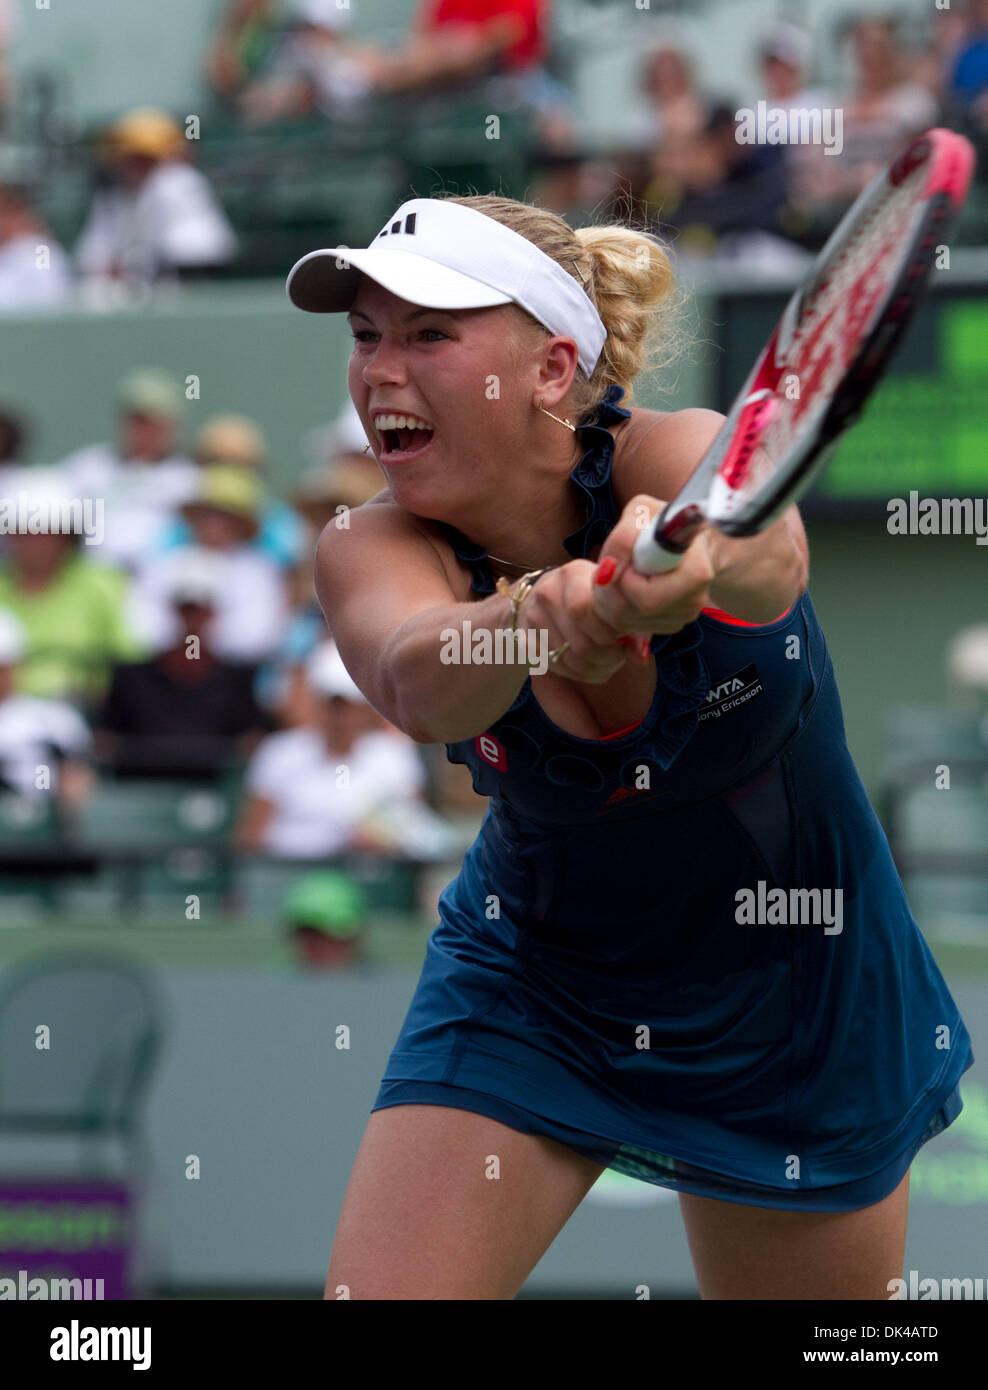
{"x": 632, "y": 602}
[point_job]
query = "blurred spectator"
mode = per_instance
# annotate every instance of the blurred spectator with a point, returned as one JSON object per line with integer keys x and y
{"x": 343, "y": 476}
{"x": 235, "y": 439}
{"x": 252, "y": 605}
{"x": 967, "y": 673}
{"x": 884, "y": 109}
{"x": 343, "y": 440}
{"x": 244, "y": 42}
{"x": 13, "y": 440}
{"x": 968, "y": 78}
{"x": 735, "y": 202}
{"x": 340, "y": 782}
{"x": 785, "y": 56}
{"x": 8, "y": 16}
{"x": 143, "y": 476}
{"x": 933, "y": 64}
{"x": 73, "y": 611}
{"x": 320, "y": 69}
{"x": 325, "y": 496}
{"x": 326, "y": 915}
{"x": 45, "y": 745}
{"x": 522, "y": 23}
{"x": 316, "y": 68}
{"x": 35, "y": 272}
{"x": 511, "y": 42}
{"x": 156, "y": 217}
{"x": 13, "y": 437}
{"x": 186, "y": 712}
{"x": 676, "y": 115}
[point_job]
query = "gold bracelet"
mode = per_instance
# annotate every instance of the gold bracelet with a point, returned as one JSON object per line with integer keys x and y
{"x": 525, "y": 586}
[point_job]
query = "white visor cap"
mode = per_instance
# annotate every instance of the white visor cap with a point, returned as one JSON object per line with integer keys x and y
{"x": 444, "y": 255}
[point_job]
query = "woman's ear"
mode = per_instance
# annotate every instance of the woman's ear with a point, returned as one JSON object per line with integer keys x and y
{"x": 558, "y": 370}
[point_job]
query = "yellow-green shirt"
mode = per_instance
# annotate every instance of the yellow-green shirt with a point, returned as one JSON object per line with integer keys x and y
{"x": 76, "y": 629}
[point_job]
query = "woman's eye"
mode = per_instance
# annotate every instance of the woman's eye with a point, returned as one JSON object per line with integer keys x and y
{"x": 364, "y": 335}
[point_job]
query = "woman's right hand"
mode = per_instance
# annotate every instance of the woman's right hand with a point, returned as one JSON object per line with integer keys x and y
{"x": 561, "y": 604}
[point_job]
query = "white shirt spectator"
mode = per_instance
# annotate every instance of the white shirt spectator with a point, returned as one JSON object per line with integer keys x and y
{"x": 29, "y": 730}
{"x": 251, "y": 610}
{"x": 338, "y": 82}
{"x": 139, "y": 499}
{"x": 313, "y": 814}
{"x": 26, "y": 285}
{"x": 172, "y": 221}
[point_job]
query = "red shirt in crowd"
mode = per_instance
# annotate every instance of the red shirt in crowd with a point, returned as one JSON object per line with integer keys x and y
{"x": 531, "y": 45}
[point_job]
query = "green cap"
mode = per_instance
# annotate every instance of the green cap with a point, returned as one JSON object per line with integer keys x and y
{"x": 327, "y": 900}
{"x": 151, "y": 391}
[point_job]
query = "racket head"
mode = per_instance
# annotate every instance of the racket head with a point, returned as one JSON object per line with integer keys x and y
{"x": 835, "y": 338}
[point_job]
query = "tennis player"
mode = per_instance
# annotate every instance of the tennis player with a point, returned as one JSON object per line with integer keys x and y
{"x": 678, "y": 947}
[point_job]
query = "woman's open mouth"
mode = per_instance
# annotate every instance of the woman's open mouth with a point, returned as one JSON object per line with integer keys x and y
{"x": 403, "y": 441}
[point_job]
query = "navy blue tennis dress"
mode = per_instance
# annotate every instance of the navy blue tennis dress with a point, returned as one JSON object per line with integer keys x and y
{"x": 594, "y": 976}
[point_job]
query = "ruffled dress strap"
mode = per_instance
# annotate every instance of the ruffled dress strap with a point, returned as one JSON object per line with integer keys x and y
{"x": 682, "y": 672}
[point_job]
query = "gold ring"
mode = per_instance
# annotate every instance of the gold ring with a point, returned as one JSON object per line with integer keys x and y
{"x": 557, "y": 653}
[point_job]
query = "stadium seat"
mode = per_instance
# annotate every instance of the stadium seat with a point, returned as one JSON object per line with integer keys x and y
{"x": 30, "y": 836}
{"x": 938, "y": 834}
{"x": 106, "y": 1016}
{"x": 161, "y": 840}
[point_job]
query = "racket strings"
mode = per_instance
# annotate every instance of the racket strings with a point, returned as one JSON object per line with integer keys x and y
{"x": 835, "y": 319}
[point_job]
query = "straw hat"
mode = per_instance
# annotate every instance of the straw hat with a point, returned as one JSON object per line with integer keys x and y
{"x": 233, "y": 438}
{"x": 146, "y": 131}
{"x": 227, "y": 487}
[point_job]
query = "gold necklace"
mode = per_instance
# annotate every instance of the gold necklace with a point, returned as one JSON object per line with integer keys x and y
{"x": 510, "y": 563}
{"x": 526, "y": 568}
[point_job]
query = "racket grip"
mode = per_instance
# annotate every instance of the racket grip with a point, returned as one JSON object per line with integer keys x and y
{"x": 662, "y": 546}
{"x": 651, "y": 557}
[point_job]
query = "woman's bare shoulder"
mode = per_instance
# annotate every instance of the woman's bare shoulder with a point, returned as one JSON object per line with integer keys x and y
{"x": 656, "y": 450}
{"x": 381, "y": 524}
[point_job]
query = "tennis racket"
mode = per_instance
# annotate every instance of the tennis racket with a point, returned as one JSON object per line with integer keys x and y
{"x": 835, "y": 338}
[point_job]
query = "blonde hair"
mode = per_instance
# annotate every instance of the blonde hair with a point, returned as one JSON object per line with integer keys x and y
{"x": 628, "y": 276}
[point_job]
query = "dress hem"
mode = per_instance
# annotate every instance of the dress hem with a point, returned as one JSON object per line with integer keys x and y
{"x": 882, "y": 1154}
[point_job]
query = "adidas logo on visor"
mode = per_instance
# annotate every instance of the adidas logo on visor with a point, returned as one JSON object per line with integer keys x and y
{"x": 408, "y": 227}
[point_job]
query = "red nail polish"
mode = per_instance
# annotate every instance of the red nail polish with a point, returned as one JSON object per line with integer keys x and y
{"x": 645, "y": 648}
{"x": 626, "y": 641}
{"x": 605, "y": 571}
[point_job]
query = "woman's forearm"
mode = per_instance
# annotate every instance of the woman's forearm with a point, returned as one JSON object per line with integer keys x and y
{"x": 760, "y": 577}
{"x": 451, "y": 671}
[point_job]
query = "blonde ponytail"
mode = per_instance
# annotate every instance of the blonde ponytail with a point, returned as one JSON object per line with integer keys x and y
{"x": 626, "y": 273}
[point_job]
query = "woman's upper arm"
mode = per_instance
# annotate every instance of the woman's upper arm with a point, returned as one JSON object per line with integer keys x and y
{"x": 662, "y": 451}
{"x": 371, "y": 577}
{"x": 659, "y": 450}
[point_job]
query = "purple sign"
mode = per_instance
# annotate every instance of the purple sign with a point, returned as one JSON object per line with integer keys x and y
{"x": 77, "y": 1233}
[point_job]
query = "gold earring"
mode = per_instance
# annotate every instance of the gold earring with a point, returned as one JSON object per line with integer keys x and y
{"x": 555, "y": 417}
